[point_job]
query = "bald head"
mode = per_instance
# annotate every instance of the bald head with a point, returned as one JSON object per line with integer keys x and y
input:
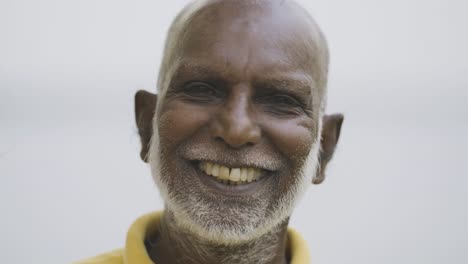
{"x": 278, "y": 23}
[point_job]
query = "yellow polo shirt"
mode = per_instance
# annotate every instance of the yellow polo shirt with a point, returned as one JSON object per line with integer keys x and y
{"x": 135, "y": 251}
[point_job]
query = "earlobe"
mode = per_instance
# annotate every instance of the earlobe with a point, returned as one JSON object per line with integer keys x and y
{"x": 330, "y": 135}
{"x": 145, "y": 106}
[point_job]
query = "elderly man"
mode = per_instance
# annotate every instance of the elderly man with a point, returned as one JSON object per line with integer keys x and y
{"x": 235, "y": 135}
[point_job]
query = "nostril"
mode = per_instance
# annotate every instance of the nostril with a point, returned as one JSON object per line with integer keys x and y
{"x": 238, "y": 139}
{"x": 249, "y": 144}
{"x": 219, "y": 139}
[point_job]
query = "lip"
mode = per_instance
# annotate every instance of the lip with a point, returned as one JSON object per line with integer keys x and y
{"x": 229, "y": 190}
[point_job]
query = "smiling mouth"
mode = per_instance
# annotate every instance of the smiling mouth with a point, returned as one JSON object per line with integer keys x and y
{"x": 231, "y": 176}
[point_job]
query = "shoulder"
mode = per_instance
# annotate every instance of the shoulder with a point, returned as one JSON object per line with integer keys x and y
{"x": 113, "y": 257}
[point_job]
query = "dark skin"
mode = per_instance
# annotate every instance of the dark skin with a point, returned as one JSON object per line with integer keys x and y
{"x": 238, "y": 89}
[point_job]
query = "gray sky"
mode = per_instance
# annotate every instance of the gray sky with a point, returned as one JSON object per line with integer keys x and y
{"x": 72, "y": 181}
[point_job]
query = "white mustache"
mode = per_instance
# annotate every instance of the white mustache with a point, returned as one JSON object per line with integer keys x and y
{"x": 233, "y": 158}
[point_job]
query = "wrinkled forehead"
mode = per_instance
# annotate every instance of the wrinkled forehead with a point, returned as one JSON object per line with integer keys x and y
{"x": 278, "y": 33}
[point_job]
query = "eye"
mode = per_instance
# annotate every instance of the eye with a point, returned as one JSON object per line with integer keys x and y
{"x": 284, "y": 100}
{"x": 283, "y": 104}
{"x": 199, "y": 91}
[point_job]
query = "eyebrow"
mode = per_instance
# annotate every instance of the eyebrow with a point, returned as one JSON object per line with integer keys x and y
{"x": 288, "y": 83}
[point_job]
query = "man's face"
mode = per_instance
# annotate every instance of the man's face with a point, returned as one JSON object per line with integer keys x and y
{"x": 237, "y": 133}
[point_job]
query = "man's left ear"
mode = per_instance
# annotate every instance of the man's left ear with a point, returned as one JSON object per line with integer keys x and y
{"x": 145, "y": 105}
{"x": 330, "y": 134}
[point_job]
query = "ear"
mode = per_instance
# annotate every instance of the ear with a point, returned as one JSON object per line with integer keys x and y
{"x": 145, "y": 106}
{"x": 330, "y": 134}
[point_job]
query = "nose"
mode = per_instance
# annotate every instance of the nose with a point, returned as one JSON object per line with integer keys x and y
{"x": 235, "y": 123}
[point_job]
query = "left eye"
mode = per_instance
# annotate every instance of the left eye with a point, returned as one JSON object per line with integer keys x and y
{"x": 284, "y": 100}
{"x": 281, "y": 104}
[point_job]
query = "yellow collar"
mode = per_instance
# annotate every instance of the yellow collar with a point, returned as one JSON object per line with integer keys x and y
{"x": 135, "y": 251}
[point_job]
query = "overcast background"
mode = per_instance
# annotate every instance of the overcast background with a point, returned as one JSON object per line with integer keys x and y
{"x": 72, "y": 181}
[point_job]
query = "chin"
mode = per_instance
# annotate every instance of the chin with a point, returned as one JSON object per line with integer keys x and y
{"x": 234, "y": 225}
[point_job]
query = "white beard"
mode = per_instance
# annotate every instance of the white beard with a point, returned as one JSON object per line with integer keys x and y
{"x": 192, "y": 215}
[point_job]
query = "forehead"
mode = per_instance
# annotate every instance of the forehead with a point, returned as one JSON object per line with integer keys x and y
{"x": 249, "y": 40}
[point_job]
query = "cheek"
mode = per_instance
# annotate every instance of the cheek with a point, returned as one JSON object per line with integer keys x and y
{"x": 178, "y": 121}
{"x": 293, "y": 138}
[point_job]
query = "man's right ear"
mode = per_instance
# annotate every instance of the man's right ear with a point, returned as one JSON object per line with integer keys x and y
{"x": 145, "y": 106}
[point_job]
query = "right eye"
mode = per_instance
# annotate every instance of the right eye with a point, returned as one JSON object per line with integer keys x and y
{"x": 198, "y": 91}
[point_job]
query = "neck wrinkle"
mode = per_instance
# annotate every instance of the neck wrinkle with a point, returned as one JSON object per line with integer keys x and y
{"x": 173, "y": 245}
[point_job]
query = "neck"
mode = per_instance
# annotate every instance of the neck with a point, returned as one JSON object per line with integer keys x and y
{"x": 172, "y": 245}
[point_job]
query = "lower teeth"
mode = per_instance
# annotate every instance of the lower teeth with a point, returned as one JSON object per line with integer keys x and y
{"x": 228, "y": 182}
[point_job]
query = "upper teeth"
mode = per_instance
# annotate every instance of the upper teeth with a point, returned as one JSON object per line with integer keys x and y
{"x": 236, "y": 175}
